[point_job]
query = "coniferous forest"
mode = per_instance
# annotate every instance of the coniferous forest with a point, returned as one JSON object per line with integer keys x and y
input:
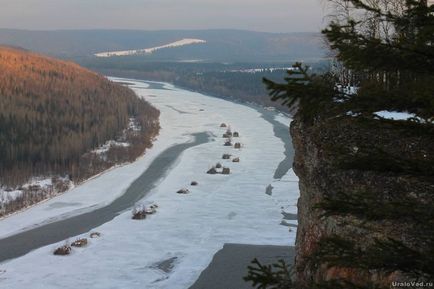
{"x": 53, "y": 113}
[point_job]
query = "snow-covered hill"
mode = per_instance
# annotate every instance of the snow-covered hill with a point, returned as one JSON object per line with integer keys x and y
{"x": 183, "y": 42}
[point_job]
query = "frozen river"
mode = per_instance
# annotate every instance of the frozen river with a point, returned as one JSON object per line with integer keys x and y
{"x": 171, "y": 248}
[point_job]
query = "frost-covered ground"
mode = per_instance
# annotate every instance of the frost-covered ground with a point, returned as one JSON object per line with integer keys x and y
{"x": 182, "y": 42}
{"x": 394, "y": 115}
{"x": 7, "y": 196}
{"x": 33, "y": 191}
{"x": 132, "y": 126}
{"x": 169, "y": 249}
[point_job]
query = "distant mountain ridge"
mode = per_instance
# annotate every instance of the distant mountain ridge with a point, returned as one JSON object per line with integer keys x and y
{"x": 221, "y": 45}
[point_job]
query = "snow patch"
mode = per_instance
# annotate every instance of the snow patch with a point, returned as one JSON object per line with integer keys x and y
{"x": 396, "y": 115}
{"x": 40, "y": 185}
{"x": 7, "y": 196}
{"x": 283, "y": 119}
{"x": 347, "y": 89}
{"x": 353, "y": 114}
{"x": 183, "y": 42}
{"x": 392, "y": 115}
{"x": 109, "y": 144}
{"x": 133, "y": 126}
{"x": 262, "y": 70}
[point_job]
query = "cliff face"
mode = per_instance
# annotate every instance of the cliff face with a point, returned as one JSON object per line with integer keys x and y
{"x": 366, "y": 210}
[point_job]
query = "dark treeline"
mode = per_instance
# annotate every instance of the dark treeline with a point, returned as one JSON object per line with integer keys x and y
{"x": 226, "y": 80}
{"x": 246, "y": 86}
{"x": 53, "y": 112}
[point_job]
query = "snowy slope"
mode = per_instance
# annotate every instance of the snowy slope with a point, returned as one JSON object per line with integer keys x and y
{"x": 187, "y": 229}
{"x": 183, "y": 42}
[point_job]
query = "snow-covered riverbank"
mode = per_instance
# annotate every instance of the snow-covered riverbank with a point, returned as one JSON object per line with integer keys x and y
{"x": 188, "y": 229}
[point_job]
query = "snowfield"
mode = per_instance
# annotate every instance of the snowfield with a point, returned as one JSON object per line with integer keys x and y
{"x": 168, "y": 250}
{"x": 182, "y": 42}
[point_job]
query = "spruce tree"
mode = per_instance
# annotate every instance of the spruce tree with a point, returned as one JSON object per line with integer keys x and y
{"x": 388, "y": 46}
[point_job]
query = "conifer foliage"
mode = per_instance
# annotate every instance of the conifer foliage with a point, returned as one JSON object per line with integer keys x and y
{"x": 52, "y": 112}
{"x": 388, "y": 48}
{"x": 303, "y": 89}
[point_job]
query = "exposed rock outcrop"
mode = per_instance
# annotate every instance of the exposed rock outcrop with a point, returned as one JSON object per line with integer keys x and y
{"x": 366, "y": 210}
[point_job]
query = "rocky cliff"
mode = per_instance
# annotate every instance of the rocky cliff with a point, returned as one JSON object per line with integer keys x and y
{"x": 366, "y": 211}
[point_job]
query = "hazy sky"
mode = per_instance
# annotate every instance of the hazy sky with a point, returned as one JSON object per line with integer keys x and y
{"x": 260, "y": 15}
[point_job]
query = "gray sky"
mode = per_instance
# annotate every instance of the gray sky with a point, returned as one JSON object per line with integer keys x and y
{"x": 259, "y": 15}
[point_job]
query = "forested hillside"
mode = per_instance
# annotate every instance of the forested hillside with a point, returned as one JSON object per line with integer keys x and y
{"x": 53, "y": 113}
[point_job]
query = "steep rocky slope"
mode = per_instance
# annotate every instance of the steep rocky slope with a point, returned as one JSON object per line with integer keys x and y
{"x": 366, "y": 211}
